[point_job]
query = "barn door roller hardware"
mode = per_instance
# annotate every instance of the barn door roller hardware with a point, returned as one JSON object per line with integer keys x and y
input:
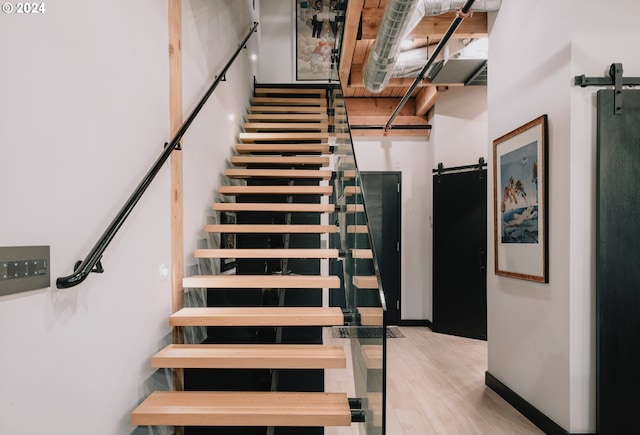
{"x": 615, "y": 79}
{"x": 479, "y": 166}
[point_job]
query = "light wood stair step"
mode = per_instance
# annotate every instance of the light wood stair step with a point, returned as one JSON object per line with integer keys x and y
{"x": 288, "y": 109}
{"x": 366, "y": 282}
{"x": 370, "y": 316}
{"x": 274, "y": 207}
{"x": 362, "y": 253}
{"x": 352, "y": 190}
{"x": 355, "y": 208}
{"x": 288, "y": 117}
{"x": 261, "y": 281}
{"x": 372, "y": 356}
{"x": 357, "y": 229}
{"x": 291, "y": 136}
{"x": 250, "y": 356}
{"x": 271, "y": 229}
{"x": 349, "y": 174}
{"x": 258, "y": 316}
{"x": 234, "y": 408}
{"x": 279, "y": 90}
{"x": 284, "y": 148}
{"x": 276, "y": 190}
{"x": 285, "y": 126}
{"x": 278, "y": 173}
{"x": 280, "y": 160}
{"x": 375, "y": 405}
{"x": 266, "y": 253}
{"x": 289, "y": 101}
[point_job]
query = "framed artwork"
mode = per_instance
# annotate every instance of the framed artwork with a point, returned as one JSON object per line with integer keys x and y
{"x": 520, "y": 202}
{"x": 316, "y": 30}
{"x": 227, "y": 241}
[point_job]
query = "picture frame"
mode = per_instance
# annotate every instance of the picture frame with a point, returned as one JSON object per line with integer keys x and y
{"x": 520, "y": 202}
{"x": 227, "y": 241}
{"x": 315, "y": 39}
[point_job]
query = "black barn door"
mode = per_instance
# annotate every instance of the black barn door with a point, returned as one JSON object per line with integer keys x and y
{"x": 618, "y": 265}
{"x": 459, "y": 253}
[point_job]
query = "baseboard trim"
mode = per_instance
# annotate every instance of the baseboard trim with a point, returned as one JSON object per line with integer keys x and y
{"x": 425, "y": 322}
{"x": 536, "y": 417}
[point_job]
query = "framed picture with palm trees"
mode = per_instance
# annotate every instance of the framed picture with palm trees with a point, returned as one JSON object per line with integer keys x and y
{"x": 520, "y": 202}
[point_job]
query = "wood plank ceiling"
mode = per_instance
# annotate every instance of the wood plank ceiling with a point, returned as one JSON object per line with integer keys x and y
{"x": 362, "y": 21}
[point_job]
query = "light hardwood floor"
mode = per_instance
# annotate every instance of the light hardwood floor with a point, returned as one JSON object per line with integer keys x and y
{"x": 435, "y": 386}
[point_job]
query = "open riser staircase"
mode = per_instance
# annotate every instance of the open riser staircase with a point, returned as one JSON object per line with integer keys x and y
{"x": 292, "y": 204}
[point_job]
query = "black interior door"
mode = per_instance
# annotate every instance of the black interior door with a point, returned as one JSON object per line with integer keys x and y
{"x": 459, "y": 253}
{"x": 617, "y": 264}
{"x": 382, "y": 198}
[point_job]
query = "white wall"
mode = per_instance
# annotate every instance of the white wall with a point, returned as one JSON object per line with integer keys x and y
{"x": 413, "y": 157}
{"x": 83, "y": 114}
{"x": 276, "y": 43}
{"x": 528, "y": 323}
{"x": 460, "y": 126}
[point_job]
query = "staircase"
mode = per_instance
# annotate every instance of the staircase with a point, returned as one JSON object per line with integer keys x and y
{"x": 261, "y": 369}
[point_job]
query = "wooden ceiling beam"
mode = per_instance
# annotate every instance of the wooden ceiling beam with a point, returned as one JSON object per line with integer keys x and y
{"x": 432, "y": 27}
{"x": 378, "y": 107}
{"x": 427, "y": 98}
{"x": 352, "y": 23}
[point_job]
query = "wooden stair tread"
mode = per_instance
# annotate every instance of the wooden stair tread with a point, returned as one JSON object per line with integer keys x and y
{"x": 288, "y": 117}
{"x": 250, "y": 356}
{"x": 365, "y": 282}
{"x": 274, "y": 207}
{"x": 258, "y": 316}
{"x": 352, "y": 190}
{"x": 267, "y": 228}
{"x": 375, "y": 405}
{"x": 370, "y": 316}
{"x": 285, "y": 126}
{"x": 289, "y": 148}
{"x": 278, "y": 173}
{"x": 357, "y": 229}
{"x": 372, "y": 355}
{"x": 355, "y": 208}
{"x": 252, "y": 137}
{"x": 276, "y": 190}
{"x": 280, "y": 90}
{"x": 235, "y": 408}
{"x": 287, "y": 109}
{"x": 266, "y": 253}
{"x": 362, "y": 253}
{"x": 349, "y": 174}
{"x": 261, "y": 281}
{"x": 290, "y": 101}
{"x": 279, "y": 160}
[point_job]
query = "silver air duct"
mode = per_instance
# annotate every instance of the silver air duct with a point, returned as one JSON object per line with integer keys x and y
{"x": 400, "y": 17}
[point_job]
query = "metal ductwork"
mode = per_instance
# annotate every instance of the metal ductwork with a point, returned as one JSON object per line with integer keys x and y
{"x": 400, "y": 17}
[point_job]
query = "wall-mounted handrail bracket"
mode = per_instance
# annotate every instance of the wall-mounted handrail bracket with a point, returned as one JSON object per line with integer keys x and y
{"x": 177, "y": 147}
{"x": 615, "y": 79}
{"x": 96, "y": 269}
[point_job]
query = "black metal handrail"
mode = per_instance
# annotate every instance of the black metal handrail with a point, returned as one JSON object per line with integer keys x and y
{"x": 92, "y": 262}
{"x": 460, "y": 16}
